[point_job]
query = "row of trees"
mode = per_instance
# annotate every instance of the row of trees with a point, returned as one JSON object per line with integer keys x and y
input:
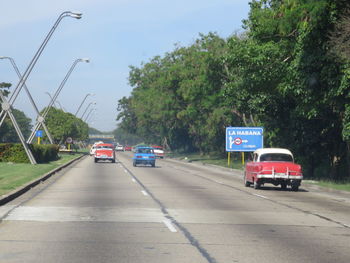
{"x": 125, "y": 138}
{"x": 60, "y": 124}
{"x": 289, "y": 72}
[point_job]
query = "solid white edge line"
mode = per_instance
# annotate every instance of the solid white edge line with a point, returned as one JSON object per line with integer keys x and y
{"x": 144, "y": 192}
{"x": 169, "y": 225}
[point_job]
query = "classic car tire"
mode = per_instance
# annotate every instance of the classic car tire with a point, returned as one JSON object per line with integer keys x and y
{"x": 96, "y": 160}
{"x": 153, "y": 164}
{"x": 256, "y": 185}
{"x": 283, "y": 186}
{"x": 295, "y": 188}
{"x": 246, "y": 183}
{"x": 134, "y": 164}
{"x": 113, "y": 161}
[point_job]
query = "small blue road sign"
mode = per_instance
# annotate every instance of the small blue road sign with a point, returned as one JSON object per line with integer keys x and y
{"x": 39, "y": 133}
{"x": 244, "y": 139}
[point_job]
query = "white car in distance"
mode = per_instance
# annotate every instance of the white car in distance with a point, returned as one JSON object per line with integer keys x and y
{"x": 119, "y": 147}
{"x": 93, "y": 148}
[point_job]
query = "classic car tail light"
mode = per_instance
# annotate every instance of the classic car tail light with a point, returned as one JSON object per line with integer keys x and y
{"x": 151, "y": 157}
{"x": 139, "y": 156}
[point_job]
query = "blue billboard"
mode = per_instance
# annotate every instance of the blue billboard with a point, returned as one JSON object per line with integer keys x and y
{"x": 244, "y": 139}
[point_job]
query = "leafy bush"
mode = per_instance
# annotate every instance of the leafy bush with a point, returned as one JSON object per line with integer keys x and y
{"x": 11, "y": 152}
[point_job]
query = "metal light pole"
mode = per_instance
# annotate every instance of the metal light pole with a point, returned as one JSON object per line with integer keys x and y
{"x": 49, "y": 96}
{"x": 29, "y": 95}
{"x": 87, "y": 116}
{"x": 59, "y": 103}
{"x": 91, "y": 117}
{"x": 56, "y": 102}
{"x": 94, "y": 103}
{"x": 81, "y": 104}
{"x": 7, "y": 105}
{"x": 36, "y": 57}
{"x": 40, "y": 120}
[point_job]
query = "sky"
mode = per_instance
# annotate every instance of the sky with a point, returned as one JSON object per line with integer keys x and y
{"x": 113, "y": 34}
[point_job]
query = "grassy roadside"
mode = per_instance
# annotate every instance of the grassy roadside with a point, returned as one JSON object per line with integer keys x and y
{"x": 332, "y": 185}
{"x": 236, "y": 163}
{"x": 235, "y": 159}
{"x": 14, "y": 175}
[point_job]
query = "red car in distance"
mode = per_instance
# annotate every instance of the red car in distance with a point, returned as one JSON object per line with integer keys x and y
{"x": 275, "y": 166}
{"x": 105, "y": 151}
{"x": 127, "y": 148}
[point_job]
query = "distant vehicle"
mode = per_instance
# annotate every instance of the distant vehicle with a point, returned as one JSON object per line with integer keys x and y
{"x": 275, "y": 166}
{"x": 105, "y": 151}
{"x": 93, "y": 147}
{"x": 127, "y": 148}
{"x": 158, "y": 151}
{"x": 145, "y": 156}
{"x": 119, "y": 147}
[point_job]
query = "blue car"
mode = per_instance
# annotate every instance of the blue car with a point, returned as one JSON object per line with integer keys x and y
{"x": 145, "y": 156}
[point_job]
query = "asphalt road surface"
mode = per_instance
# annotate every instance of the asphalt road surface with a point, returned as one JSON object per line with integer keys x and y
{"x": 174, "y": 213}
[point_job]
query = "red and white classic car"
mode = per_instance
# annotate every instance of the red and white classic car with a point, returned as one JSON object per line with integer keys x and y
{"x": 158, "y": 151}
{"x": 275, "y": 166}
{"x": 104, "y": 151}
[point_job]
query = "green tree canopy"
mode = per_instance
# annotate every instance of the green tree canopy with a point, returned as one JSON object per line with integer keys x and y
{"x": 289, "y": 72}
{"x": 62, "y": 125}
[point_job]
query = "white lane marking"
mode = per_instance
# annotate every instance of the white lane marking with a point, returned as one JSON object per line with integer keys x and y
{"x": 133, "y": 179}
{"x": 144, "y": 193}
{"x": 169, "y": 225}
{"x": 86, "y": 214}
{"x": 261, "y": 196}
{"x": 125, "y": 171}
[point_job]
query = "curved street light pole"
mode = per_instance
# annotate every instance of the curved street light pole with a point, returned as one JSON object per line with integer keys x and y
{"x": 81, "y": 104}
{"x": 49, "y": 95}
{"x": 59, "y": 104}
{"x": 82, "y": 116}
{"x": 7, "y": 105}
{"x": 56, "y": 102}
{"x": 29, "y": 95}
{"x": 40, "y": 119}
{"x": 31, "y": 65}
{"x": 87, "y": 116}
{"x": 91, "y": 118}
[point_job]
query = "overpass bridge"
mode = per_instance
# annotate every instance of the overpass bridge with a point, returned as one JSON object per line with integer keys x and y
{"x": 108, "y": 138}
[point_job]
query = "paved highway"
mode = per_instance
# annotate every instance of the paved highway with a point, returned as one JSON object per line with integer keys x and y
{"x": 174, "y": 213}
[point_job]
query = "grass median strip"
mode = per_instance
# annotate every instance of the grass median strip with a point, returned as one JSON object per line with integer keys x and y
{"x": 14, "y": 175}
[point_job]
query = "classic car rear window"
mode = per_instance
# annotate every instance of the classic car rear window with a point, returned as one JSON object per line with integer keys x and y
{"x": 276, "y": 157}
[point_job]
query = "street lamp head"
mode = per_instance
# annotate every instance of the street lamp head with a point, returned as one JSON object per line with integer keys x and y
{"x": 87, "y": 60}
{"x": 3, "y": 57}
{"x": 76, "y": 15}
